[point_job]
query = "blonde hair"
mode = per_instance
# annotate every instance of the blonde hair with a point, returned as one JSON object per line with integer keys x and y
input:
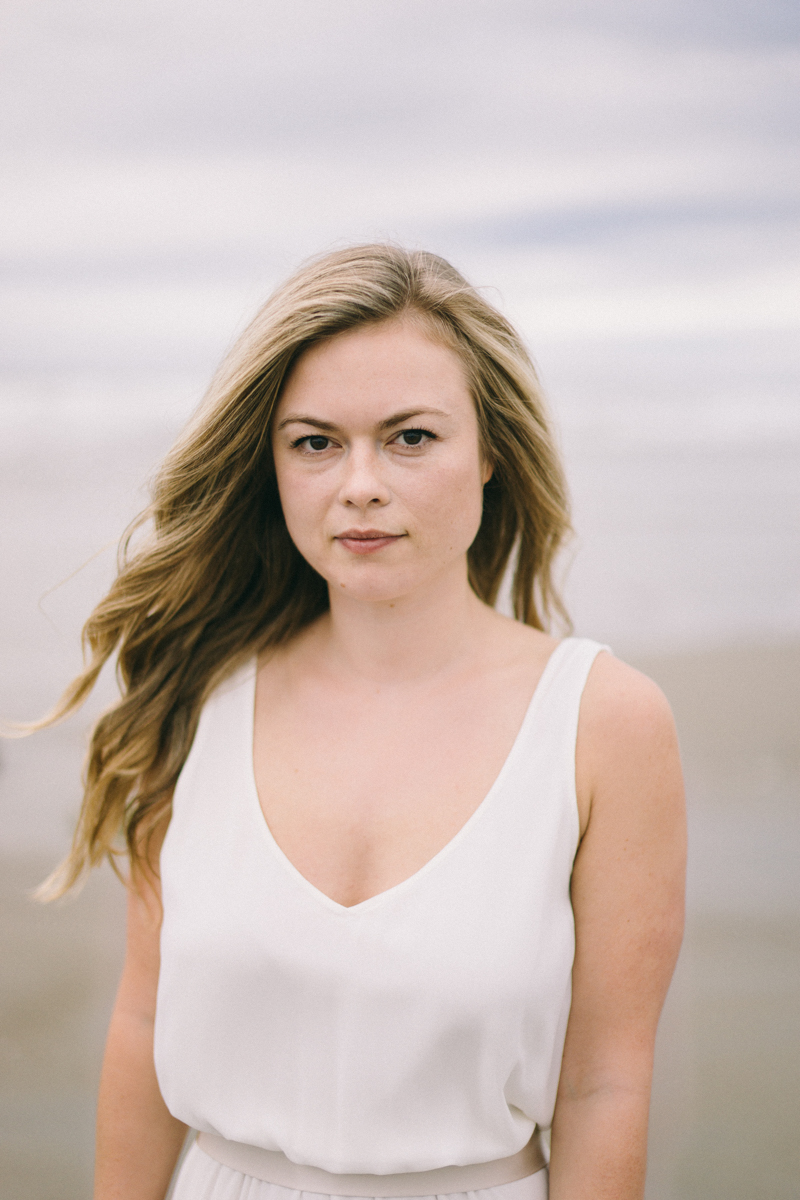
{"x": 217, "y": 578}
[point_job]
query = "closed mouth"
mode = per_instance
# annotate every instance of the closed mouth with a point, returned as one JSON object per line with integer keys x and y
{"x": 366, "y": 541}
{"x": 365, "y": 535}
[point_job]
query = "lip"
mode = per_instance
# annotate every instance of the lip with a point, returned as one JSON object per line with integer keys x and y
{"x": 366, "y": 541}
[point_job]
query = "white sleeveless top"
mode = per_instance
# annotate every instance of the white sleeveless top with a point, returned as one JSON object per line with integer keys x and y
{"x": 419, "y": 1029}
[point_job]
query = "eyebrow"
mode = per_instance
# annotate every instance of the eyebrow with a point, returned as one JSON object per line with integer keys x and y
{"x": 389, "y": 423}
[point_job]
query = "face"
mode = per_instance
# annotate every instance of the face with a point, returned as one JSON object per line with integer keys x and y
{"x": 378, "y": 461}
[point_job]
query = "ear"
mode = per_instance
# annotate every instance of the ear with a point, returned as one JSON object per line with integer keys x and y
{"x": 487, "y": 470}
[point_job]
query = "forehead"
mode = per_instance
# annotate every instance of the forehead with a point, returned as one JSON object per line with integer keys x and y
{"x": 382, "y": 366}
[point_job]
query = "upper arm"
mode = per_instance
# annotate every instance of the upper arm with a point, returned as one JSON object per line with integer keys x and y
{"x": 139, "y": 982}
{"x": 629, "y": 874}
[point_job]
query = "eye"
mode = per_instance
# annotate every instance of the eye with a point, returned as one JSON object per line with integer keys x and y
{"x": 314, "y": 442}
{"x": 414, "y": 437}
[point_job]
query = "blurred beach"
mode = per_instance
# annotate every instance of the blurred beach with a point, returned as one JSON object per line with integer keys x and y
{"x": 727, "y": 1085}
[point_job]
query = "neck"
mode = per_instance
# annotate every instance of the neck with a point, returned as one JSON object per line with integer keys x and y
{"x": 408, "y": 638}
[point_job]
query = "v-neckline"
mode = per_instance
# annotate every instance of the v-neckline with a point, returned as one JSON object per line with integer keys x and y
{"x": 472, "y": 819}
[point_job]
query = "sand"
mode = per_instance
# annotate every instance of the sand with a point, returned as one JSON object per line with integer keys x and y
{"x": 727, "y": 1088}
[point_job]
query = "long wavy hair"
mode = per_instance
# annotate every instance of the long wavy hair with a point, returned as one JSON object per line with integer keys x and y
{"x": 208, "y": 575}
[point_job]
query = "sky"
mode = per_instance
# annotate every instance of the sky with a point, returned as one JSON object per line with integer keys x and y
{"x": 612, "y": 170}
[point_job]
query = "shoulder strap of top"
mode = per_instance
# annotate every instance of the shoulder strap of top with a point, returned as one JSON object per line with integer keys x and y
{"x": 540, "y": 779}
{"x": 225, "y": 711}
{"x": 553, "y": 716}
{"x": 576, "y": 657}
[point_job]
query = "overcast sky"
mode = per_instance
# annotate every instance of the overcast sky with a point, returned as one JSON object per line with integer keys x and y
{"x": 614, "y": 170}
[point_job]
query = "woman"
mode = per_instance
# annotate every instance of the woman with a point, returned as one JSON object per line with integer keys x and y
{"x": 406, "y": 875}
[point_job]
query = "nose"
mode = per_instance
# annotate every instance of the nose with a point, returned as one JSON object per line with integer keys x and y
{"x": 363, "y": 485}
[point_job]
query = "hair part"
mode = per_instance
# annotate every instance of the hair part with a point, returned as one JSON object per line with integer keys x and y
{"x": 208, "y": 575}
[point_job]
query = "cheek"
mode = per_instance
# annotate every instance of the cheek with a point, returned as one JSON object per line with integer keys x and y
{"x": 453, "y": 500}
{"x": 300, "y": 500}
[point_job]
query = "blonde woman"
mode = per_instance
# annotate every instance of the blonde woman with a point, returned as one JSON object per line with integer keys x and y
{"x": 405, "y": 875}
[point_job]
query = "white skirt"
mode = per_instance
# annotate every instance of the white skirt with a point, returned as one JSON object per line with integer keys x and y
{"x": 201, "y": 1177}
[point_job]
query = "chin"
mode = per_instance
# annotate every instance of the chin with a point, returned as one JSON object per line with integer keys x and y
{"x": 374, "y": 586}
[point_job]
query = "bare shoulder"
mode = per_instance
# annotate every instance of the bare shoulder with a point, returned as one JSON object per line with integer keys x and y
{"x": 627, "y": 747}
{"x": 619, "y": 699}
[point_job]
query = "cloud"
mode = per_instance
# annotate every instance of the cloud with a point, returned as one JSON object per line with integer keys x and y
{"x": 614, "y": 168}
{"x": 207, "y": 77}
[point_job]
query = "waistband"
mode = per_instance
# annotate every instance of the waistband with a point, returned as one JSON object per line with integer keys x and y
{"x": 272, "y": 1166}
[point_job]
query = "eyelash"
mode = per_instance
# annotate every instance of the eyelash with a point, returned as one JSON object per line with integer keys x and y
{"x": 298, "y": 442}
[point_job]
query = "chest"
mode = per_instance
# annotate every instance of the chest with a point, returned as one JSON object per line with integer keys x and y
{"x": 361, "y": 790}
